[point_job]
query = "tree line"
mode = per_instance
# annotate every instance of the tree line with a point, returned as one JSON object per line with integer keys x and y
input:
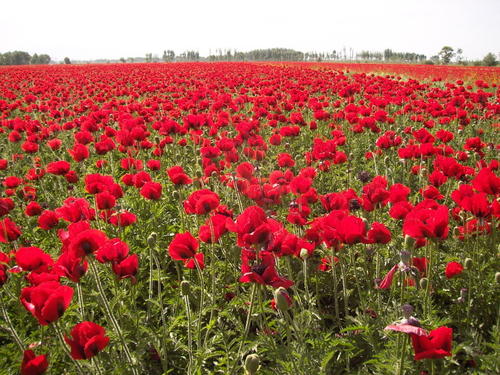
{"x": 23, "y": 58}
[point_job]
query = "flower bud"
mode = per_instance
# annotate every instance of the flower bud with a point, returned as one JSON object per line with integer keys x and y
{"x": 252, "y": 362}
{"x": 405, "y": 257}
{"x": 497, "y": 277}
{"x": 407, "y": 310}
{"x": 424, "y": 282}
{"x": 152, "y": 239}
{"x": 185, "y": 288}
{"x": 468, "y": 263}
{"x": 463, "y": 295}
{"x": 282, "y": 299}
{"x": 175, "y": 194}
{"x": 409, "y": 242}
{"x": 304, "y": 254}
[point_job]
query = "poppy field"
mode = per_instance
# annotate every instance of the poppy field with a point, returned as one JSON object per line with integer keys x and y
{"x": 249, "y": 218}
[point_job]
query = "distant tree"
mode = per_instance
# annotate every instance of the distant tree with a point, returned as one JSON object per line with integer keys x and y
{"x": 458, "y": 55}
{"x": 149, "y": 57}
{"x": 446, "y": 54}
{"x": 34, "y": 59}
{"x": 388, "y": 54}
{"x": 44, "y": 59}
{"x": 122, "y": 59}
{"x": 490, "y": 60}
{"x": 67, "y": 61}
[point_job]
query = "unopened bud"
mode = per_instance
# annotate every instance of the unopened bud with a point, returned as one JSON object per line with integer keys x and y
{"x": 185, "y": 288}
{"x": 405, "y": 257}
{"x": 497, "y": 277}
{"x": 152, "y": 239}
{"x": 304, "y": 254}
{"x": 468, "y": 263}
{"x": 409, "y": 242}
{"x": 175, "y": 194}
{"x": 424, "y": 282}
{"x": 252, "y": 363}
{"x": 282, "y": 299}
{"x": 407, "y": 310}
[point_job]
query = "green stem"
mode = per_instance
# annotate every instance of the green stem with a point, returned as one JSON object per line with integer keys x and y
{"x": 81, "y": 305}
{"x": 403, "y": 355}
{"x": 247, "y": 326}
{"x": 112, "y": 317}
{"x": 202, "y": 301}
{"x": 190, "y": 338}
{"x": 335, "y": 293}
{"x": 10, "y": 326}
{"x": 306, "y": 285}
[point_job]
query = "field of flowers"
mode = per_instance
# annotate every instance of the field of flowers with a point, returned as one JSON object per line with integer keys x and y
{"x": 238, "y": 218}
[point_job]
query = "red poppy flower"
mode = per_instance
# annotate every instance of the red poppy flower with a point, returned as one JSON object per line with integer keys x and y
{"x": 59, "y": 168}
{"x": 379, "y": 234}
{"x": 33, "y": 259}
{"x": 127, "y": 268}
{"x": 409, "y": 326}
{"x": 48, "y": 220}
{"x": 201, "y": 202}
{"x": 387, "y": 280}
{"x": 178, "y": 176}
{"x": 6, "y": 205}
{"x": 123, "y": 219}
{"x": 87, "y": 340}
{"x": 263, "y": 271}
{"x": 76, "y": 209}
{"x": 70, "y": 266}
{"x": 86, "y": 242}
{"x": 245, "y": 170}
{"x": 105, "y": 200}
{"x": 487, "y": 182}
{"x": 453, "y": 269}
{"x": 33, "y": 209}
{"x": 47, "y": 301}
{"x": 4, "y": 263}
{"x": 113, "y": 250}
{"x": 33, "y": 364}
{"x": 427, "y": 222}
{"x": 184, "y": 247}
{"x": 151, "y": 190}
{"x": 218, "y": 223}
{"x": 8, "y": 230}
{"x": 435, "y": 345}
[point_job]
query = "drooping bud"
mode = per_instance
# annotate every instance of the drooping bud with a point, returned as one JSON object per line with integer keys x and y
{"x": 152, "y": 239}
{"x": 175, "y": 194}
{"x": 468, "y": 263}
{"x": 407, "y": 310}
{"x": 497, "y": 277}
{"x": 405, "y": 257}
{"x": 409, "y": 242}
{"x": 282, "y": 299}
{"x": 424, "y": 281}
{"x": 463, "y": 295}
{"x": 304, "y": 254}
{"x": 252, "y": 363}
{"x": 185, "y": 288}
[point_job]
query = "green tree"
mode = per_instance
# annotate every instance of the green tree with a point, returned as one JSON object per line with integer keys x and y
{"x": 67, "y": 60}
{"x": 446, "y": 54}
{"x": 490, "y": 60}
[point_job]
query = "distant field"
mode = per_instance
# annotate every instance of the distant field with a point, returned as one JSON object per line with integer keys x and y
{"x": 249, "y": 218}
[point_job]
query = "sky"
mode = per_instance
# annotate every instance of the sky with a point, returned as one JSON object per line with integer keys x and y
{"x": 111, "y": 29}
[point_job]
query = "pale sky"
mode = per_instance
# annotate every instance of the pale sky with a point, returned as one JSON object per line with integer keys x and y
{"x": 91, "y": 29}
